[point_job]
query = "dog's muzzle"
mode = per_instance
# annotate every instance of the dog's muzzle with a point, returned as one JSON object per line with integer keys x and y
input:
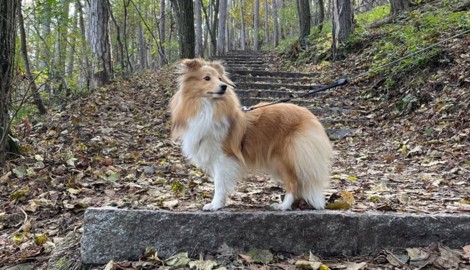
{"x": 223, "y": 88}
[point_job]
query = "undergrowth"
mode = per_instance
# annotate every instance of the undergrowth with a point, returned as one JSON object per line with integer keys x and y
{"x": 378, "y": 50}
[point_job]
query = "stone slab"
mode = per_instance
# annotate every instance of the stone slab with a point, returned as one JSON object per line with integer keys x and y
{"x": 124, "y": 234}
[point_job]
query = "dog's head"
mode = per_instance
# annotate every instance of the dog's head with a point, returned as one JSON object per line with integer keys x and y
{"x": 203, "y": 79}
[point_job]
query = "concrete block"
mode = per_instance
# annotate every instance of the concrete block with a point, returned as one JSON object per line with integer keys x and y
{"x": 124, "y": 234}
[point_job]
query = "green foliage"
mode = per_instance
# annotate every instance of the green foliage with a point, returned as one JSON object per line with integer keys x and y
{"x": 401, "y": 38}
{"x": 373, "y": 15}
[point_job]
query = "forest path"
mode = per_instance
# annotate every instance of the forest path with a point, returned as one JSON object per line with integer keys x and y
{"x": 112, "y": 147}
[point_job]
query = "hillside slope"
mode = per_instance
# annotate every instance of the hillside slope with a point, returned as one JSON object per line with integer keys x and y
{"x": 410, "y": 151}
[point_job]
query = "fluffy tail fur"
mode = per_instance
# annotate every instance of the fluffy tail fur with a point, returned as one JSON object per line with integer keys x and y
{"x": 312, "y": 155}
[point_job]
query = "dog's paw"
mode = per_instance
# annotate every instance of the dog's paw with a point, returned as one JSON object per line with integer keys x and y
{"x": 280, "y": 206}
{"x": 212, "y": 207}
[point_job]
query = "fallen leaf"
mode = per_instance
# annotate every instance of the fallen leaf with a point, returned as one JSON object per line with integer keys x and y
{"x": 397, "y": 260}
{"x": 178, "y": 260}
{"x": 246, "y": 258}
{"x": 170, "y": 204}
{"x": 417, "y": 254}
{"x": 466, "y": 250}
{"x": 40, "y": 239}
{"x": 260, "y": 255}
{"x": 20, "y": 193}
{"x": 110, "y": 266}
{"x": 20, "y": 171}
{"x": 341, "y": 202}
{"x": 307, "y": 265}
{"x": 355, "y": 266}
{"x": 202, "y": 265}
{"x": 18, "y": 238}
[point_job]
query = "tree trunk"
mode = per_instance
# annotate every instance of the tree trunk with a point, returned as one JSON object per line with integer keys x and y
{"x": 256, "y": 26}
{"x": 58, "y": 68}
{"x": 71, "y": 58}
{"x": 29, "y": 75}
{"x": 161, "y": 27}
{"x": 184, "y": 11}
{"x": 84, "y": 50}
{"x": 242, "y": 27}
{"x": 142, "y": 48}
{"x": 276, "y": 36}
{"x": 303, "y": 8}
{"x": 221, "y": 28}
{"x": 215, "y": 25}
{"x": 397, "y": 6}
{"x": 100, "y": 43}
{"x": 266, "y": 22}
{"x": 228, "y": 33}
{"x": 198, "y": 21}
{"x": 321, "y": 14}
{"x": 45, "y": 51}
{"x": 120, "y": 53}
{"x": 130, "y": 68}
{"x": 342, "y": 23}
{"x": 7, "y": 56}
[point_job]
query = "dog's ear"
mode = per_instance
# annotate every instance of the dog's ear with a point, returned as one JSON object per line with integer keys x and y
{"x": 218, "y": 65}
{"x": 190, "y": 65}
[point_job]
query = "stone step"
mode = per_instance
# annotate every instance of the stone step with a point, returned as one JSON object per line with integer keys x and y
{"x": 241, "y": 57}
{"x": 118, "y": 234}
{"x": 275, "y": 86}
{"x": 338, "y": 134}
{"x": 245, "y": 62}
{"x": 257, "y": 67}
{"x": 255, "y": 100}
{"x": 274, "y": 94}
{"x": 271, "y": 73}
{"x": 240, "y": 65}
{"x": 246, "y": 78}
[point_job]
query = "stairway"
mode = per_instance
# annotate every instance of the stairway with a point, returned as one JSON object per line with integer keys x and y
{"x": 256, "y": 82}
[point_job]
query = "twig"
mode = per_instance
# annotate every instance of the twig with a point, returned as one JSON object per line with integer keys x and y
{"x": 25, "y": 97}
{"x": 21, "y": 223}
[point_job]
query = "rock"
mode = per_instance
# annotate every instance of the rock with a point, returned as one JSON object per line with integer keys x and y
{"x": 125, "y": 234}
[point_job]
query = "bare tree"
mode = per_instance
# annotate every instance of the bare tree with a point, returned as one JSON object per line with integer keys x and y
{"x": 342, "y": 22}
{"x": 276, "y": 32}
{"x": 256, "y": 26}
{"x": 221, "y": 28}
{"x": 120, "y": 55}
{"x": 7, "y": 56}
{"x": 161, "y": 28}
{"x": 142, "y": 47}
{"x": 266, "y": 22}
{"x": 303, "y": 9}
{"x": 198, "y": 21}
{"x": 84, "y": 48}
{"x": 184, "y": 11}
{"x": 321, "y": 14}
{"x": 242, "y": 27}
{"x": 396, "y": 6}
{"x": 100, "y": 43}
{"x": 29, "y": 75}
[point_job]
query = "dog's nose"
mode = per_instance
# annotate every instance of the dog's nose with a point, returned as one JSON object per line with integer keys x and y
{"x": 223, "y": 87}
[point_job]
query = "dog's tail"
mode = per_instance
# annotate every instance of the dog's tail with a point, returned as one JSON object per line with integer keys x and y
{"x": 312, "y": 155}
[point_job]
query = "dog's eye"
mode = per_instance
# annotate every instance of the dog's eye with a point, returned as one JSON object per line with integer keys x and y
{"x": 207, "y": 78}
{"x": 220, "y": 79}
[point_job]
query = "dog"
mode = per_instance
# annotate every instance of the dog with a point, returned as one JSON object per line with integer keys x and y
{"x": 284, "y": 140}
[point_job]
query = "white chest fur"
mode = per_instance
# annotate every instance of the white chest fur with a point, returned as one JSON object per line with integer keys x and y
{"x": 203, "y": 138}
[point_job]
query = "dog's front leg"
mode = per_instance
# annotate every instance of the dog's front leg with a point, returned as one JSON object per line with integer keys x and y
{"x": 225, "y": 173}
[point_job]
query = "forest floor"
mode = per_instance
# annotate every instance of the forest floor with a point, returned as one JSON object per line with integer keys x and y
{"x": 112, "y": 148}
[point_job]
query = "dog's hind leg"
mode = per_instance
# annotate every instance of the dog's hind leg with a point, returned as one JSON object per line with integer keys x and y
{"x": 226, "y": 172}
{"x": 287, "y": 173}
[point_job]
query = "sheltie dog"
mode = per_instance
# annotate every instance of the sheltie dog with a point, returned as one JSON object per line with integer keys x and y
{"x": 284, "y": 140}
